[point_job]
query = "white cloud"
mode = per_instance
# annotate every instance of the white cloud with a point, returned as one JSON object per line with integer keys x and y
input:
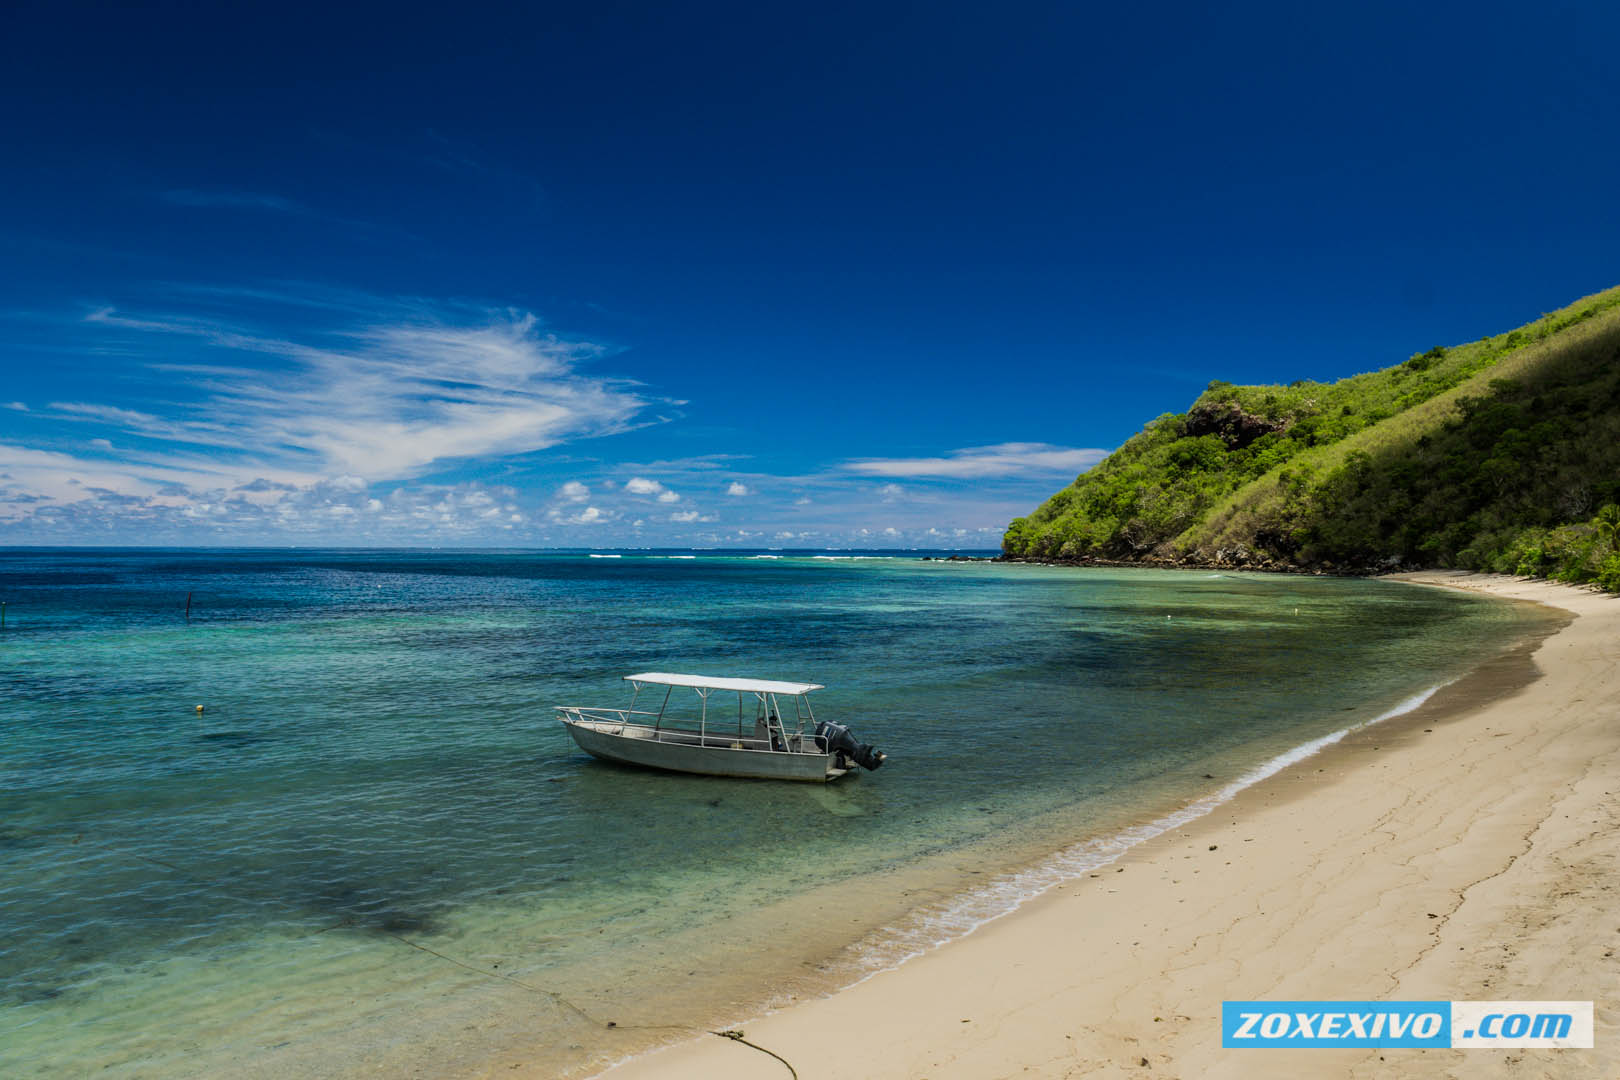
{"x": 260, "y": 435}
{"x": 17, "y": 405}
{"x": 591, "y": 515}
{"x": 640, "y": 485}
{"x": 330, "y": 510}
{"x": 1005, "y": 459}
{"x": 386, "y": 401}
{"x": 51, "y": 475}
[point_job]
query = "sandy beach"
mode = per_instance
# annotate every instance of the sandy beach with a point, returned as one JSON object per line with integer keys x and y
{"x": 1466, "y": 851}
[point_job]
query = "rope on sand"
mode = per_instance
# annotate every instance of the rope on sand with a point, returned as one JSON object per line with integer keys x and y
{"x": 737, "y": 1036}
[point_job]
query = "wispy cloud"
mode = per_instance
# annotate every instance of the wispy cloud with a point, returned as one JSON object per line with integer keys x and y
{"x": 127, "y": 418}
{"x": 268, "y": 203}
{"x": 386, "y": 401}
{"x": 456, "y": 157}
{"x": 1004, "y": 459}
{"x": 234, "y": 421}
{"x": 283, "y": 413}
{"x": 225, "y": 199}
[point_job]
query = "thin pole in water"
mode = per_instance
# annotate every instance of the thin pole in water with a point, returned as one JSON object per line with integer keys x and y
{"x": 2, "y": 615}
{"x": 188, "y": 607}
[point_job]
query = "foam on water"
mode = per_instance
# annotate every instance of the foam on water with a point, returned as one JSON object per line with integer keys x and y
{"x": 853, "y": 558}
{"x": 930, "y": 928}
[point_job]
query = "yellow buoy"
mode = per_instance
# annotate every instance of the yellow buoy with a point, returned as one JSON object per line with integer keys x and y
{"x": 199, "y": 708}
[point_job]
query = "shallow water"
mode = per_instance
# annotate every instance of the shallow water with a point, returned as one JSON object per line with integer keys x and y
{"x": 375, "y": 848}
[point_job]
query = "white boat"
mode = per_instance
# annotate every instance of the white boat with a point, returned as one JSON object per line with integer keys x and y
{"x": 706, "y": 735}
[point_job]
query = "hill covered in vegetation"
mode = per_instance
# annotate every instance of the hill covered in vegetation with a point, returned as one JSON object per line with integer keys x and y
{"x": 1502, "y": 454}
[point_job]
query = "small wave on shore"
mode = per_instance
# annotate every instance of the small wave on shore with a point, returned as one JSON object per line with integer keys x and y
{"x": 931, "y": 927}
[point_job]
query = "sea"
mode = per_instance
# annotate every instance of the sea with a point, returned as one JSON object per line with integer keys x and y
{"x": 299, "y": 813}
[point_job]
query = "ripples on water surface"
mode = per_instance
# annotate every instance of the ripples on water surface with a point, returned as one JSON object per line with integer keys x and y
{"x": 377, "y": 773}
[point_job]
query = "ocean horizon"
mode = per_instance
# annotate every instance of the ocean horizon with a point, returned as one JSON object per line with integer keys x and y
{"x": 374, "y": 847}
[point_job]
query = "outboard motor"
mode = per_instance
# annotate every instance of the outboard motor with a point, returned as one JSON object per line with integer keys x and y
{"x": 838, "y": 739}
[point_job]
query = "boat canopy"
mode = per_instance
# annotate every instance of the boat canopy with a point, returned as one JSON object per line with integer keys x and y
{"x": 706, "y": 682}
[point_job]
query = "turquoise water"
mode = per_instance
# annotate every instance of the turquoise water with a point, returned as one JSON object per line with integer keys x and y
{"x": 376, "y": 849}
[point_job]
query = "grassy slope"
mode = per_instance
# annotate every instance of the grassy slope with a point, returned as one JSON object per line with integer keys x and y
{"x": 1470, "y": 456}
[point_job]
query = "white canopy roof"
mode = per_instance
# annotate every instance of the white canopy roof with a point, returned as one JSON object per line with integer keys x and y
{"x": 757, "y": 686}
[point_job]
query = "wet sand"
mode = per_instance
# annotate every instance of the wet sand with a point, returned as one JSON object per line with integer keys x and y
{"x": 1466, "y": 850}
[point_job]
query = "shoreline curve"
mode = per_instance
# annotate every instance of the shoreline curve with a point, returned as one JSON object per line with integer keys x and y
{"x": 902, "y": 1016}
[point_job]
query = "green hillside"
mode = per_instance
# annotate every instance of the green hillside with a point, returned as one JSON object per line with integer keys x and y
{"x": 1502, "y": 454}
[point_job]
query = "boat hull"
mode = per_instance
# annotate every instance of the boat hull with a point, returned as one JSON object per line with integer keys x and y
{"x": 631, "y": 745}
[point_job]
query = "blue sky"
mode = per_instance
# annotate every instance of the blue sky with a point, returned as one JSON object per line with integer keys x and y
{"x": 712, "y": 274}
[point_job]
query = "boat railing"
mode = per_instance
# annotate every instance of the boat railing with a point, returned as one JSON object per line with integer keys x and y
{"x": 663, "y": 728}
{"x": 607, "y": 716}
